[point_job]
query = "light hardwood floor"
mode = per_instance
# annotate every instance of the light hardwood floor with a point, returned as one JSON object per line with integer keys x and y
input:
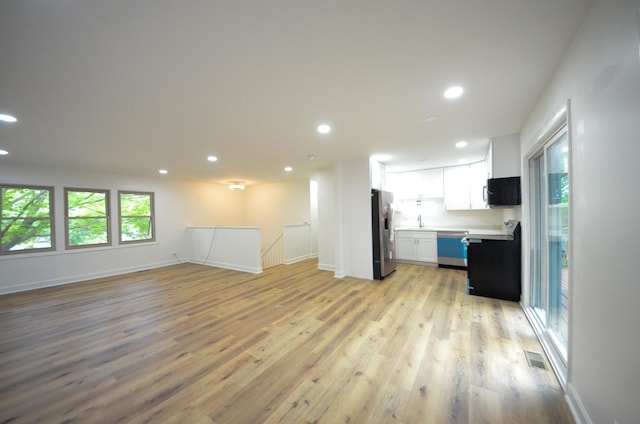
{"x": 195, "y": 344}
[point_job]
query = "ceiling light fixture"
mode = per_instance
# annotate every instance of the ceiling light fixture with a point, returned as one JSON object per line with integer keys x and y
{"x": 288, "y": 169}
{"x": 324, "y": 129}
{"x": 453, "y": 92}
{"x": 236, "y": 185}
{"x": 163, "y": 171}
{"x": 212, "y": 158}
{"x": 461, "y": 144}
{"x": 3, "y": 152}
{"x": 7, "y": 118}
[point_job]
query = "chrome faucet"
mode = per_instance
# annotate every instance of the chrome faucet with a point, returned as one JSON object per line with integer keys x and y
{"x": 419, "y": 220}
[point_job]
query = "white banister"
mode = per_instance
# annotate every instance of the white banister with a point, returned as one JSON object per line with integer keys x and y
{"x": 273, "y": 255}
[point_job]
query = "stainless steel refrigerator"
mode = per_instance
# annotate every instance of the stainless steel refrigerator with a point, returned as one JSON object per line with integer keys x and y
{"x": 384, "y": 252}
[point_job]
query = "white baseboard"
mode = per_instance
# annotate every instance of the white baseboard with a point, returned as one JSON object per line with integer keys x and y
{"x": 81, "y": 277}
{"x": 289, "y": 261}
{"x": 234, "y": 267}
{"x": 326, "y": 267}
{"x": 577, "y": 407}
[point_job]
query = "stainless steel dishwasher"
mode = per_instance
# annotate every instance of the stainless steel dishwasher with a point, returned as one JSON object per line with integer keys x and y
{"x": 451, "y": 250}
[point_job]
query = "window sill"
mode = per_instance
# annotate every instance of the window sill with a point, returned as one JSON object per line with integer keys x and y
{"x": 27, "y": 255}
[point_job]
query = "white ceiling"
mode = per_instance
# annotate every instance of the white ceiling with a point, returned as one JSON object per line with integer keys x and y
{"x": 133, "y": 86}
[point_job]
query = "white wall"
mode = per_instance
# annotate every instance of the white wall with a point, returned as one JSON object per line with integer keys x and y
{"x": 434, "y": 214}
{"x": 601, "y": 77}
{"x": 272, "y": 205}
{"x": 297, "y": 243}
{"x": 327, "y": 219}
{"x": 354, "y": 251}
{"x": 177, "y": 205}
{"x": 236, "y": 248}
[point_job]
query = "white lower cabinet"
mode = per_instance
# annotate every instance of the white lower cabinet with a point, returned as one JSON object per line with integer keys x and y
{"x": 405, "y": 246}
{"x": 418, "y": 246}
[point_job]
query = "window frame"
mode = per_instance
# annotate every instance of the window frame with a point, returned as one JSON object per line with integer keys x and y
{"x": 152, "y": 219}
{"x": 106, "y": 217}
{"x": 51, "y": 218}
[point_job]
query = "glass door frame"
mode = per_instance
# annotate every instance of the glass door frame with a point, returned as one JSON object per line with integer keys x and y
{"x": 557, "y": 353}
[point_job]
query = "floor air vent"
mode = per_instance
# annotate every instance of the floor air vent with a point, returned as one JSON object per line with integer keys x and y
{"x": 535, "y": 360}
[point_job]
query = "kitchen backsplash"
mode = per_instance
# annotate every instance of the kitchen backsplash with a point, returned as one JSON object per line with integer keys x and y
{"x": 434, "y": 214}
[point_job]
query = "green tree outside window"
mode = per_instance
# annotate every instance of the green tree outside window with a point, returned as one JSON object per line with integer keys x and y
{"x": 87, "y": 218}
{"x": 136, "y": 216}
{"x": 26, "y": 219}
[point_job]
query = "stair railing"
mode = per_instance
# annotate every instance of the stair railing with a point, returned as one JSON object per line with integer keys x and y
{"x": 274, "y": 254}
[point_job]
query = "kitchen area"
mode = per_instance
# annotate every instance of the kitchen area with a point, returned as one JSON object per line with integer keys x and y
{"x": 465, "y": 217}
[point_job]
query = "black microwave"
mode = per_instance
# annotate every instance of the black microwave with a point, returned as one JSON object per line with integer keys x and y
{"x": 503, "y": 191}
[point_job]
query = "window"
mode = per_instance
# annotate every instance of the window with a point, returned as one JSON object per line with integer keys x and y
{"x": 87, "y": 217}
{"x": 26, "y": 219}
{"x": 136, "y": 216}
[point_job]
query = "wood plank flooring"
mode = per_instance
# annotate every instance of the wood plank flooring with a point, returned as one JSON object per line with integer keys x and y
{"x": 195, "y": 344}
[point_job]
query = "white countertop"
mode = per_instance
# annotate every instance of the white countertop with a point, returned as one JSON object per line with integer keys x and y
{"x": 478, "y": 230}
{"x": 483, "y": 232}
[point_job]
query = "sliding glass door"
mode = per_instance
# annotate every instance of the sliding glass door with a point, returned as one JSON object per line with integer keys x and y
{"x": 549, "y": 213}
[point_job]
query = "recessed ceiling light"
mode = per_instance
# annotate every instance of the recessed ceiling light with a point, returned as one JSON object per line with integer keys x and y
{"x": 461, "y": 144}
{"x": 453, "y": 92}
{"x": 311, "y": 157}
{"x": 288, "y": 169}
{"x": 324, "y": 129}
{"x": 7, "y": 118}
{"x": 212, "y": 158}
{"x": 163, "y": 171}
{"x": 3, "y": 152}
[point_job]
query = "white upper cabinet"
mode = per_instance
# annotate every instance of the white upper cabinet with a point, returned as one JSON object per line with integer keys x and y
{"x": 464, "y": 185}
{"x": 423, "y": 184}
{"x": 433, "y": 183}
{"x": 478, "y": 185}
{"x": 503, "y": 157}
{"x": 391, "y": 184}
{"x": 456, "y": 187}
